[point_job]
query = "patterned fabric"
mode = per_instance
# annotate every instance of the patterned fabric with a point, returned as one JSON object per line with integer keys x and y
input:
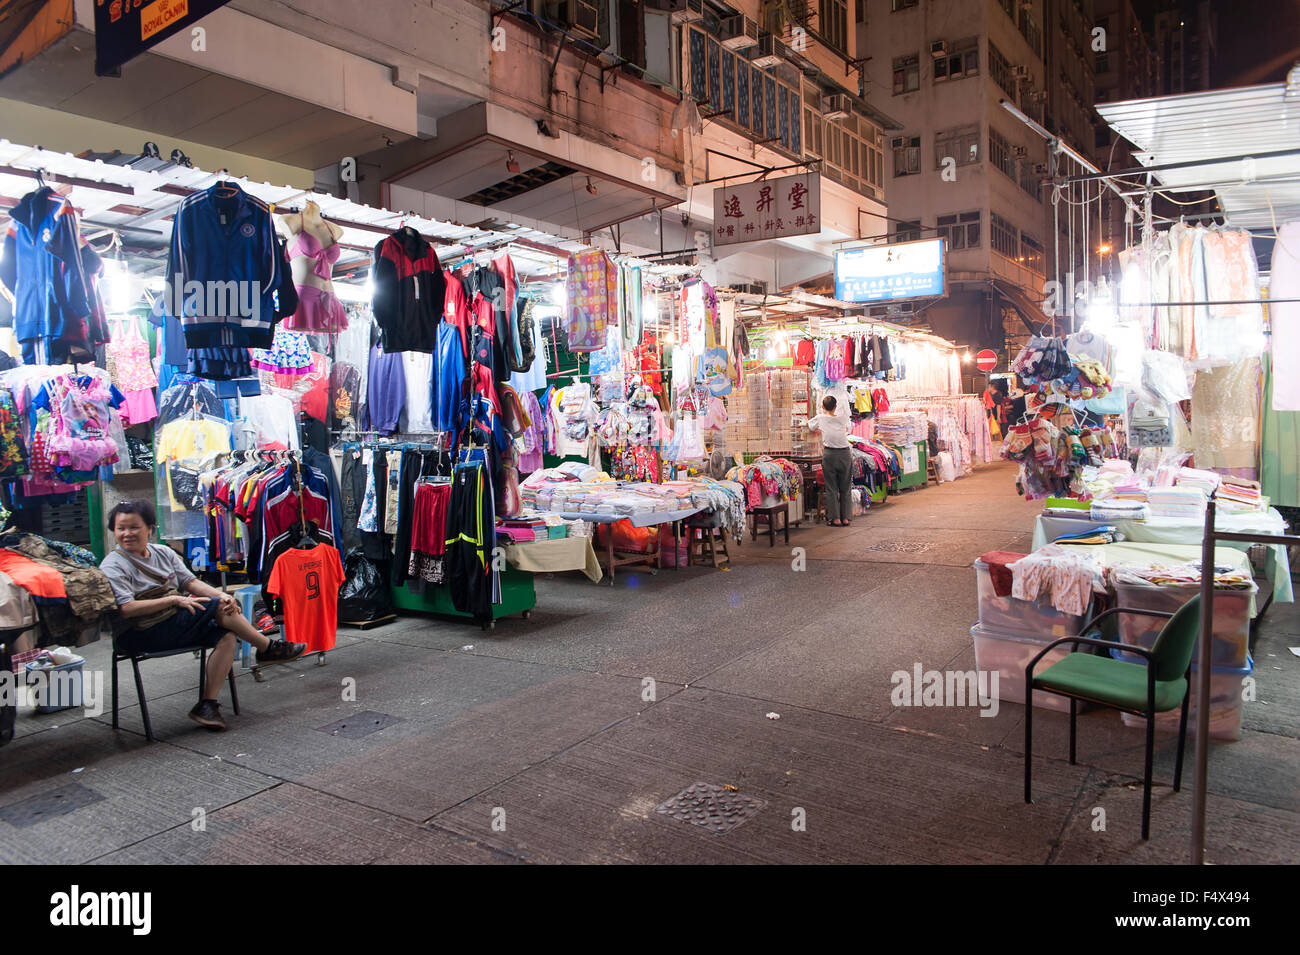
{"x": 289, "y": 354}
{"x": 592, "y": 297}
{"x": 13, "y": 456}
{"x": 132, "y": 370}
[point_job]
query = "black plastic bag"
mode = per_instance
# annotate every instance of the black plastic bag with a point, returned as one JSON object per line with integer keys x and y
{"x": 364, "y": 597}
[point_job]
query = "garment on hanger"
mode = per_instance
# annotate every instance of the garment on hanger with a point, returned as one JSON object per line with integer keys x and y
{"x": 471, "y": 541}
{"x": 417, "y": 413}
{"x": 410, "y": 292}
{"x": 133, "y": 372}
{"x": 289, "y": 354}
{"x": 44, "y": 266}
{"x": 534, "y": 379}
{"x": 591, "y": 296}
{"x": 386, "y": 392}
{"x": 1284, "y": 318}
{"x": 307, "y": 581}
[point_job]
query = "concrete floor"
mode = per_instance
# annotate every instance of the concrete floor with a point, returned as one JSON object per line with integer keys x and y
{"x": 544, "y": 740}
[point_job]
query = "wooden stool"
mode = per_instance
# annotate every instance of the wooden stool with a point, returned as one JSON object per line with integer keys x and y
{"x": 931, "y": 472}
{"x": 768, "y": 516}
{"x": 702, "y": 546}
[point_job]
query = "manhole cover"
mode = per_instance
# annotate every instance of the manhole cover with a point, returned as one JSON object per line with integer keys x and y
{"x": 900, "y": 547}
{"x": 711, "y": 806}
{"x": 359, "y": 725}
{"x": 48, "y": 805}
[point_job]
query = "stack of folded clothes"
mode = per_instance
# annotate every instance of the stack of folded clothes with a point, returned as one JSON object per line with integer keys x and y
{"x": 1114, "y": 509}
{"x": 1207, "y": 481}
{"x": 1185, "y": 503}
{"x": 1239, "y": 495}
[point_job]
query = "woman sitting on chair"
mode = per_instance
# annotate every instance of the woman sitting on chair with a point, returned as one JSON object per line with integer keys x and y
{"x": 168, "y": 608}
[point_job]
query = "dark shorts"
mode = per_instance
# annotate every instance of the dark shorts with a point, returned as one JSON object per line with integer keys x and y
{"x": 181, "y": 631}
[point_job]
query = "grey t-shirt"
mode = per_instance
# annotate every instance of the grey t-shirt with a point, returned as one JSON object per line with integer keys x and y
{"x": 127, "y": 579}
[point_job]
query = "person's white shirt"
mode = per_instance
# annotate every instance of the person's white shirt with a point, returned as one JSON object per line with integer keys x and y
{"x": 834, "y": 428}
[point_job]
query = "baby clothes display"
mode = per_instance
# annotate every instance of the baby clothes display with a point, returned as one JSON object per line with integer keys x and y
{"x": 1070, "y": 578}
{"x": 133, "y": 373}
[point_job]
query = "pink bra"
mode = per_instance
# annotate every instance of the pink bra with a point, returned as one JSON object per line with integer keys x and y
{"x": 306, "y": 244}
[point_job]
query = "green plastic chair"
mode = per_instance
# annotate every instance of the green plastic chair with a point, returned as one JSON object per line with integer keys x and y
{"x": 1159, "y": 685}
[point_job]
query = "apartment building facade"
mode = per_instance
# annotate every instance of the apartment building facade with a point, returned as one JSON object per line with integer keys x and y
{"x": 963, "y": 167}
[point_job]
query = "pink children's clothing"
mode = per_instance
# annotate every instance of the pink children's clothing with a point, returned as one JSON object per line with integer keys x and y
{"x": 140, "y": 406}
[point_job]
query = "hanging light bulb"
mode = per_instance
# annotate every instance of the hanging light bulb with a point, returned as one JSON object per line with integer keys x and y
{"x": 558, "y": 294}
{"x": 770, "y": 354}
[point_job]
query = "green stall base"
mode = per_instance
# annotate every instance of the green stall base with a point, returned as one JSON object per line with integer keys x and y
{"x": 517, "y": 596}
{"x": 910, "y": 479}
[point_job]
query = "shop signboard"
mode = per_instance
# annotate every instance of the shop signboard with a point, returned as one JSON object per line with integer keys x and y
{"x": 126, "y": 28}
{"x": 887, "y": 273}
{"x": 767, "y": 209}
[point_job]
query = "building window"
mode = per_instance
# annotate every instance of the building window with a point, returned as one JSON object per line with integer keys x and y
{"x": 1029, "y": 30}
{"x": 1031, "y": 252}
{"x": 907, "y": 231}
{"x": 1009, "y": 8}
{"x": 1001, "y": 154}
{"x": 907, "y": 73}
{"x": 907, "y": 155}
{"x": 962, "y": 230}
{"x": 850, "y": 149}
{"x": 835, "y": 24}
{"x": 743, "y": 95}
{"x": 963, "y": 59}
{"x": 1003, "y": 236}
{"x": 961, "y": 145}
{"x": 902, "y": 5}
{"x": 1002, "y": 72}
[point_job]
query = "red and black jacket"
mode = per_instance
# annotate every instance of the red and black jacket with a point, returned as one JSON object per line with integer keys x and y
{"x": 410, "y": 292}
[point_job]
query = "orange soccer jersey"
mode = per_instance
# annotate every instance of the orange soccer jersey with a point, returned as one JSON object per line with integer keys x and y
{"x": 308, "y": 582}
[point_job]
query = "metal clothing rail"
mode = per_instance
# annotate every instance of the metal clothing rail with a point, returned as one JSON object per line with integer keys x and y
{"x": 1201, "y": 766}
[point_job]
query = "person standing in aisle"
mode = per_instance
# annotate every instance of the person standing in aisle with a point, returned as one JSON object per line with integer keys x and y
{"x": 837, "y": 463}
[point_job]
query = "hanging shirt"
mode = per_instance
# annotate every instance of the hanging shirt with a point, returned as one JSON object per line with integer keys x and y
{"x": 386, "y": 391}
{"x": 417, "y": 413}
{"x": 308, "y": 581}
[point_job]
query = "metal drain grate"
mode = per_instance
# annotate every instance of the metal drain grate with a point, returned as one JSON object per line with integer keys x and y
{"x": 714, "y": 807}
{"x": 900, "y": 547}
{"x": 359, "y": 725}
{"x": 48, "y": 805}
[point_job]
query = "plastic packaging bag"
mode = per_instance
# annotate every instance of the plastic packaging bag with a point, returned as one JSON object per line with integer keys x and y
{"x": 364, "y": 596}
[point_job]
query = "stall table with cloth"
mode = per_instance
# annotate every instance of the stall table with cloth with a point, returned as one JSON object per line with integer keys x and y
{"x": 615, "y": 558}
{"x": 1165, "y": 530}
{"x": 555, "y": 556}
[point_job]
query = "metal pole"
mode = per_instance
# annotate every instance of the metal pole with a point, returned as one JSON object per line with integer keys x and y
{"x": 1203, "y": 690}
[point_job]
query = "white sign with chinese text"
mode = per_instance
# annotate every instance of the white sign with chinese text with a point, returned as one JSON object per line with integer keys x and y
{"x": 767, "y": 209}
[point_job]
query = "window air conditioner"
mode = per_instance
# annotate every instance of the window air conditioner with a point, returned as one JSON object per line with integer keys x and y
{"x": 938, "y": 48}
{"x": 1020, "y": 152}
{"x": 1021, "y": 72}
{"x": 898, "y": 142}
{"x": 1040, "y": 169}
{"x": 768, "y": 51}
{"x": 738, "y": 33}
{"x": 686, "y": 11}
{"x": 836, "y": 106}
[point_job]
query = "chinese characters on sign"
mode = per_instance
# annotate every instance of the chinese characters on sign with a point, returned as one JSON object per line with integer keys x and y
{"x": 767, "y": 209}
{"x": 885, "y": 272}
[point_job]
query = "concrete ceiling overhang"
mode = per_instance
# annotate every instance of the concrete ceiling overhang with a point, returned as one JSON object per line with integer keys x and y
{"x": 249, "y": 91}
{"x": 467, "y": 165}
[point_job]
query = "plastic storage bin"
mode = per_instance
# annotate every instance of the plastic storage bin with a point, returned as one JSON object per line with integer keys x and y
{"x": 1231, "y": 631}
{"x": 57, "y": 687}
{"x": 1008, "y": 655}
{"x": 1225, "y": 705}
{"x": 1037, "y": 619}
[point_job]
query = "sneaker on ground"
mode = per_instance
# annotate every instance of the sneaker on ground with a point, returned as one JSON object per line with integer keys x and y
{"x": 208, "y": 713}
{"x": 280, "y": 651}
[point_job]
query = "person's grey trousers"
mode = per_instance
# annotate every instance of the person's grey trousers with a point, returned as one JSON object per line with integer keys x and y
{"x": 837, "y": 472}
